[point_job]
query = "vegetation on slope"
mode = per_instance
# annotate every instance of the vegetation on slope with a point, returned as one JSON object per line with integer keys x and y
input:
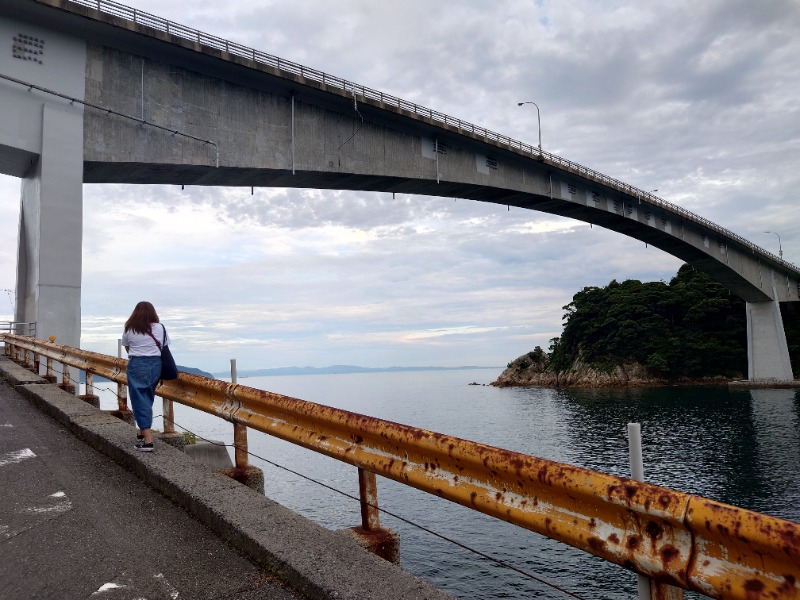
{"x": 692, "y": 328}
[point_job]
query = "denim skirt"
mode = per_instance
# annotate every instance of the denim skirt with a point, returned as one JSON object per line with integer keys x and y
{"x": 143, "y": 375}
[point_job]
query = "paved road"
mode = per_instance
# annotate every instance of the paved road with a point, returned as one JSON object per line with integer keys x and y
{"x": 75, "y": 525}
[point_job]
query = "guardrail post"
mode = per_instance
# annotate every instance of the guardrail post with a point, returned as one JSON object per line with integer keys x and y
{"x": 122, "y": 397}
{"x": 169, "y": 416}
{"x": 48, "y": 374}
{"x": 368, "y": 492}
{"x": 89, "y": 396}
{"x": 65, "y": 380}
{"x": 648, "y": 589}
{"x": 239, "y": 430}
{"x": 242, "y": 471}
{"x": 370, "y": 535}
{"x": 37, "y": 359}
{"x": 122, "y": 412}
{"x": 170, "y": 436}
{"x": 240, "y": 445}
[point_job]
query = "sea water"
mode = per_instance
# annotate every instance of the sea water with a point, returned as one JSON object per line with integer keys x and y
{"x": 737, "y": 447}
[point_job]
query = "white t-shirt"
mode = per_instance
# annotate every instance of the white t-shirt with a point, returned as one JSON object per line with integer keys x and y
{"x": 142, "y": 344}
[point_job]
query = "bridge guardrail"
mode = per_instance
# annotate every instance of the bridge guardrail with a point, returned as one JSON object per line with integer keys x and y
{"x": 157, "y": 23}
{"x": 19, "y": 327}
{"x": 674, "y": 538}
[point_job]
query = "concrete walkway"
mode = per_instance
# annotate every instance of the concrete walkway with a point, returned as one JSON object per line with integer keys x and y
{"x": 76, "y": 524}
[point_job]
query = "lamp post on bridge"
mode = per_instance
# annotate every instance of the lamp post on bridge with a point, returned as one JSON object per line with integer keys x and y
{"x": 538, "y": 120}
{"x": 780, "y": 248}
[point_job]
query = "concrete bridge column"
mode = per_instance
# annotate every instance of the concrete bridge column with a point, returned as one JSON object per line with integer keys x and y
{"x": 767, "y": 351}
{"x": 51, "y": 229}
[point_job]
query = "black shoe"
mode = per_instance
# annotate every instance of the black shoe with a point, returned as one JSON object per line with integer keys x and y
{"x": 144, "y": 447}
{"x": 139, "y": 439}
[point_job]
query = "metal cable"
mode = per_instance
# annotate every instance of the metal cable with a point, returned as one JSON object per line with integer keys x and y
{"x": 443, "y": 537}
{"x": 355, "y": 108}
{"x": 109, "y": 111}
{"x": 391, "y": 514}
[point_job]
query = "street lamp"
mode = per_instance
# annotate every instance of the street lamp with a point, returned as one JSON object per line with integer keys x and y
{"x": 538, "y": 119}
{"x": 780, "y": 248}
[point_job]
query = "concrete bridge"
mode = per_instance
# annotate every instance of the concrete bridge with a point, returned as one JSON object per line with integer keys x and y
{"x": 151, "y": 101}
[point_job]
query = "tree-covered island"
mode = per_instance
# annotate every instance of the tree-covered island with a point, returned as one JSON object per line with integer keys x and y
{"x": 690, "y": 330}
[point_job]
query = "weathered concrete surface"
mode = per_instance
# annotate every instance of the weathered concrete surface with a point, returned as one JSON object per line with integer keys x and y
{"x": 211, "y": 453}
{"x": 73, "y": 523}
{"x": 767, "y": 350}
{"x": 17, "y": 374}
{"x": 41, "y": 141}
{"x": 314, "y": 561}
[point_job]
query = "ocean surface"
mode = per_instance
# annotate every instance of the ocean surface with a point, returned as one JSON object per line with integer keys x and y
{"x": 738, "y": 447}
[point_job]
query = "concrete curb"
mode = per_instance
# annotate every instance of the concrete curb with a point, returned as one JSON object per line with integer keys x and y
{"x": 318, "y": 563}
{"x": 210, "y": 453}
{"x": 16, "y": 374}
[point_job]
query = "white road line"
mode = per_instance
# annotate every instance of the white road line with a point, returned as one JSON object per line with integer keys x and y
{"x": 64, "y": 505}
{"x": 58, "y": 508}
{"x": 107, "y": 587}
{"x": 12, "y": 458}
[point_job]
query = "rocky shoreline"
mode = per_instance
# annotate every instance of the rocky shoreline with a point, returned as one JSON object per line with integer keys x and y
{"x": 530, "y": 370}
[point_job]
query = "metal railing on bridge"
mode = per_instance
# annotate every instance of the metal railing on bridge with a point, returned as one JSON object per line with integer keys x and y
{"x": 160, "y": 24}
{"x": 18, "y": 328}
{"x": 674, "y": 538}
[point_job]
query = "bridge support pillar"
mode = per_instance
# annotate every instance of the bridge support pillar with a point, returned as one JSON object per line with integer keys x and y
{"x": 767, "y": 351}
{"x": 51, "y": 230}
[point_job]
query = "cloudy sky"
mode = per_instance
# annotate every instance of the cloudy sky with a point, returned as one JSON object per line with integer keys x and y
{"x": 698, "y": 100}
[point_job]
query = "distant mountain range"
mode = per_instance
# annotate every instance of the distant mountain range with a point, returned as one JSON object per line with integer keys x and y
{"x": 332, "y": 370}
{"x": 339, "y": 370}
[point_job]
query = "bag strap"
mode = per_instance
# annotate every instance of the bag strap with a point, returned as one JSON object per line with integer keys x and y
{"x": 150, "y": 333}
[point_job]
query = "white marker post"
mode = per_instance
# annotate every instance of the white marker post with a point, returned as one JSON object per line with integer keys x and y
{"x": 240, "y": 455}
{"x": 637, "y": 473}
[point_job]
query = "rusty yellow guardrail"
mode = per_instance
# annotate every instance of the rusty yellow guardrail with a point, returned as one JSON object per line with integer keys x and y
{"x": 674, "y": 538}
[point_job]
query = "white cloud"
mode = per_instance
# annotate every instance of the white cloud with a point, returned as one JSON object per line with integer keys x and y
{"x": 695, "y": 99}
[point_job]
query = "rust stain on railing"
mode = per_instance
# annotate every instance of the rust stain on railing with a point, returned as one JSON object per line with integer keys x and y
{"x": 674, "y": 538}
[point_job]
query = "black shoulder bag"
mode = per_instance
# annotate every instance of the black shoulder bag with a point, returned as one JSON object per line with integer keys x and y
{"x": 168, "y": 368}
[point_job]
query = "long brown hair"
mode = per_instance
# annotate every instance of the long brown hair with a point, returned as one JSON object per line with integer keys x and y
{"x": 142, "y": 317}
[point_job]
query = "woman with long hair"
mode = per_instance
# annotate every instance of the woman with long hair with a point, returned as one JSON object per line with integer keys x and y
{"x": 143, "y": 338}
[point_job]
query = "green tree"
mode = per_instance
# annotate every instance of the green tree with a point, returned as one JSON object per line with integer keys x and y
{"x": 691, "y": 327}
